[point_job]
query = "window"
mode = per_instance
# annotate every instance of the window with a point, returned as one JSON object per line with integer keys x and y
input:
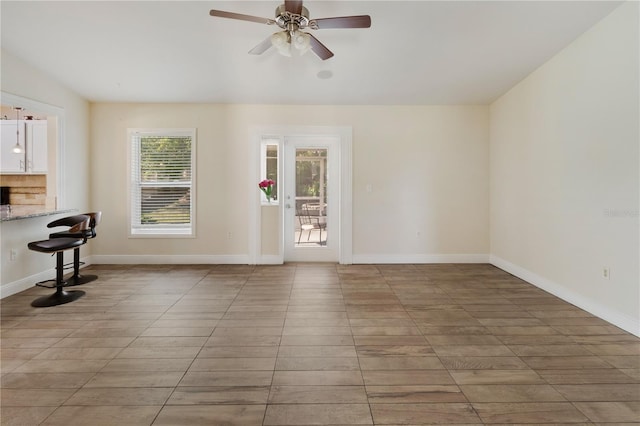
{"x": 162, "y": 182}
{"x": 269, "y": 163}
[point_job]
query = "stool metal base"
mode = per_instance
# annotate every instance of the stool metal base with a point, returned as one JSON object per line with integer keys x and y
{"x": 76, "y": 278}
{"x": 80, "y": 279}
{"x": 60, "y": 297}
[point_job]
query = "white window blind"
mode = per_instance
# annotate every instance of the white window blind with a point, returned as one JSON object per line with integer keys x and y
{"x": 162, "y": 182}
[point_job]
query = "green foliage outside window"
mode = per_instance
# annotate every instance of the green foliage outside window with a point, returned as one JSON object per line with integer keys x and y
{"x": 308, "y": 171}
{"x": 165, "y": 160}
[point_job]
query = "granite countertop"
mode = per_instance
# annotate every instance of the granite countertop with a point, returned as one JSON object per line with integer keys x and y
{"x": 26, "y": 212}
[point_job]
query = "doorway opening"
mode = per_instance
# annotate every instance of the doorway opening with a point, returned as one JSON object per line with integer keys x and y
{"x": 313, "y": 204}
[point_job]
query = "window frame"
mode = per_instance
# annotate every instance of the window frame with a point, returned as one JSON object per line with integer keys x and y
{"x": 137, "y": 230}
{"x": 265, "y": 142}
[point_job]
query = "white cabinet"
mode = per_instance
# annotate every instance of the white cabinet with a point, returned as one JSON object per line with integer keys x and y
{"x": 37, "y": 146}
{"x": 33, "y": 140}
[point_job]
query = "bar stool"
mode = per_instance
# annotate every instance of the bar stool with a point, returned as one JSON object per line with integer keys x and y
{"x": 71, "y": 221}
{"x": 58, "y": 246}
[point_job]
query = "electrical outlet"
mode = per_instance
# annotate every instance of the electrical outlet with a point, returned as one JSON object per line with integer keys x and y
{"x": 229, "y": 235}
{"x": 13, "y": 254}
{"x": 606, "y": 273}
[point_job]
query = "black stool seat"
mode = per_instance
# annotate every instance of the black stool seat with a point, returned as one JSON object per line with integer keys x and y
{"x": 55, "y": 245}
{"x": 87, "y": 233}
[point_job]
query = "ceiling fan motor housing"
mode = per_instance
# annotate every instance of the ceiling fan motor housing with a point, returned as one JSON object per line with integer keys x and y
{"x": 291, "y": 21}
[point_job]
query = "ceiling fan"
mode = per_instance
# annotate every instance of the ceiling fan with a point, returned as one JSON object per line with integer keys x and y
{"x": 292, "y": 17}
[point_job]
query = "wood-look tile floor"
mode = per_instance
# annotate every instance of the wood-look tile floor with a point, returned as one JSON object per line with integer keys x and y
{"x": 313, "y": 344}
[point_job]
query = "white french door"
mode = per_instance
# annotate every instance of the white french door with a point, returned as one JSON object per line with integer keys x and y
{"x": 311, "y": 169}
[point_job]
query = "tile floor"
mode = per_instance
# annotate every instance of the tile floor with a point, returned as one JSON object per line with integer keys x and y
{"x": 313, "y": 344}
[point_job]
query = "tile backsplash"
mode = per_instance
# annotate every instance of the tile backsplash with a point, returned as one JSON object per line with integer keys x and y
{"x": 26, "y": 189}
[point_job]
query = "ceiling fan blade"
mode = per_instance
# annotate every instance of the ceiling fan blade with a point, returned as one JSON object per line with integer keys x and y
{"x": 319, "y": 48}
{"x": 293, "y": 6}
{"x": 262, "y": 47}
{"x": 240, "y": 16}
{"x": 360, "y": 21}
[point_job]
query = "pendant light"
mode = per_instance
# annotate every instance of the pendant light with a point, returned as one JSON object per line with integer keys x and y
{"x": 17, "y": 149}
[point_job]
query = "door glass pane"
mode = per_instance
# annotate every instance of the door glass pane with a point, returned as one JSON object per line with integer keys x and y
{"x": 271, "y": 166}
{"x": 311, "y": 198}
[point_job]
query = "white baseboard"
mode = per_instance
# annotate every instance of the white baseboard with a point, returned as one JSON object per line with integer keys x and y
{"x": 242, "y": 259}
{"x": 272, "y": 259}
{"x": 419, "y": 258}
{"x": 26, "y": 283}
{"x": 155, "y": 259}
{"x": 623, "y": 321}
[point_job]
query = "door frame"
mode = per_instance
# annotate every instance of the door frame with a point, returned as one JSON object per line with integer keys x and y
{"x": 344, "y": 200}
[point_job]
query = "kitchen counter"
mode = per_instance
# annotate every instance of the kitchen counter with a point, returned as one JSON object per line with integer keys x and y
{"x": 27, "y": 212}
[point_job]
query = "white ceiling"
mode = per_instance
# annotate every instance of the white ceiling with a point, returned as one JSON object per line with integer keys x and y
{"x": 416, "y": 52}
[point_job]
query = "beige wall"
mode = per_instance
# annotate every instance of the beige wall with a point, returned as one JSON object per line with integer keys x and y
{"x": 428, "y": 167}
{"x": 20, "y": 79}
{"x": 564, "y": 172}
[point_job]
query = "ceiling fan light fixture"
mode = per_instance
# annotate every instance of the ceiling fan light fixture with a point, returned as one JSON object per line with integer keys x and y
{"x": 302, "y": 42}
{"x": 282, "y": 42}
{"x": 289, "y": 42}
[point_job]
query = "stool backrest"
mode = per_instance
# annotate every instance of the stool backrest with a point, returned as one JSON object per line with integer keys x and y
{"x": 81, "y": 226}
{"x": 95, "y": 218}
{"x": 69, "y": 221}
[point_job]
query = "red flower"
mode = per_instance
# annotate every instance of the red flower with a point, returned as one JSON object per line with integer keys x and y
{"x": 266, "y": 183}
{"x": 267, "y": 187}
